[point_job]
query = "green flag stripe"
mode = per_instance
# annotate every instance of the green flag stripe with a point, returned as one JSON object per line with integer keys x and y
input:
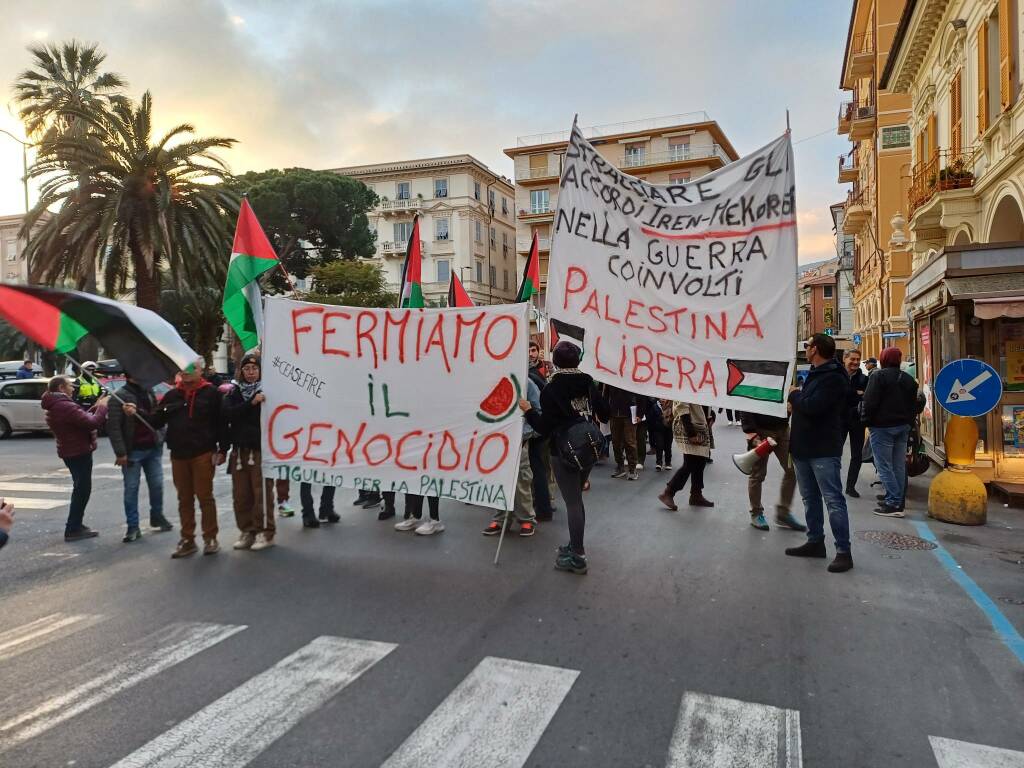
{"x": 415, "y": 298}
{"x": 758, "y": 393}
{"x": 68, "y": 334}
{"x": 243, "y": 269}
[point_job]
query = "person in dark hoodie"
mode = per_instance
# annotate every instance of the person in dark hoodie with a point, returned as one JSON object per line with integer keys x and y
{"x": 854, "y": 426}
{"x": 817, "y": 436}
{"x": 622, "y": 409}
{"x": 890, "y": 407}
{"x": 253, "y": 496}
{"x": 569, "y": 397}
{"x": 758, "y": 428}
{"x": 138, "y": 449}
{"x": 191, "y": 413}
{"x": 74, "y": 429}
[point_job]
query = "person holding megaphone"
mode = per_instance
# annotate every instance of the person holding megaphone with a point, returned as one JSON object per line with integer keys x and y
{"x": 767, "y": 435}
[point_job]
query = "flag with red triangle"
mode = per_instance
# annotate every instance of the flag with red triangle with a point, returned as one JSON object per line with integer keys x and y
{"x": 251, "y": 256}
{"x": 412, "y": 271}
{"x": 457, "y": 296}
{"x": 531, "y": 274}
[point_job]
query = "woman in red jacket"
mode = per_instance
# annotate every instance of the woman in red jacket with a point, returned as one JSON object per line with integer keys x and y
{"x": 75, "y": 431}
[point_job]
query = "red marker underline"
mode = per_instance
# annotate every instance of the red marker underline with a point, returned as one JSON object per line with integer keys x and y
{"x": 721, "y": 233}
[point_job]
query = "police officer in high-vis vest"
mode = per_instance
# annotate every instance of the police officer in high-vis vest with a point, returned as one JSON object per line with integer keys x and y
{"x": 87, "y": 388}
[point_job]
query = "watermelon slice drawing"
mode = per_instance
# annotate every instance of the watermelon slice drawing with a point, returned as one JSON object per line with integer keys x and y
{"x": 502, "y": 402}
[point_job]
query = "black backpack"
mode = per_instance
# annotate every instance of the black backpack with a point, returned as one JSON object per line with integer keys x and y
{"x": 579, "y": 445}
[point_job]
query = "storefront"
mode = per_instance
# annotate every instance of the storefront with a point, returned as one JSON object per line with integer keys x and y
{"x": 968, "y": 301}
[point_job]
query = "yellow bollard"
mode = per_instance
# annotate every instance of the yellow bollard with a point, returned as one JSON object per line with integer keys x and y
{"x": 957, "y": 495}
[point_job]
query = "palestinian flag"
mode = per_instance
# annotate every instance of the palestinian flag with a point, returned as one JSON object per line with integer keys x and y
{"x": 757, "y": 379}
{"x": 147, "y": 346}
{"x": 457, "y": 296}
{"x": 412, "y": 270}
{"x": 251, "y": 256}
{"x": 560, "y": 330}
{"x": 531, "y": 274}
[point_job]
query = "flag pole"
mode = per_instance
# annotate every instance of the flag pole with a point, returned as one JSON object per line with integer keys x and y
{"x": 280, "y": 263}
{"x": 504, "y": 525}
{"x": 114, "y": 395}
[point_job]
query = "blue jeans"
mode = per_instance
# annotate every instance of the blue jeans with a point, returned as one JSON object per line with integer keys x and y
{"x": 889, "y": 446}
{"x": 81, "y": 479}
{"x": 819, "y": 478}
{"x": 147, "y": 460}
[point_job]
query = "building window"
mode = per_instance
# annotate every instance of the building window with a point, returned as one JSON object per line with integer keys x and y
{"x": 478, "y": 231}
{"x": 402, "y": 231}
{"x": 493, "y": 275}
{"x": 506, "y": 279}
{"x": 12, "y": 250}
{"x": 494, "y": 237}
{"x": 828, "y": 291}
{"x": 476, "y": 190}
{"x": 679, "y": 148}
{"x": 444, "y": 270}
{"x": 402, "y": 190}
{"x": 679, "y": 178}
{"x": 504, "y": 206}
{"x": 634, "y": 155}
{"x": 440, "y": 229}
{"x": 539, "y": 201}
{"x": 895, "y": 136}
{"x": 440, "y": 187}
{"x": 479, "y": 271}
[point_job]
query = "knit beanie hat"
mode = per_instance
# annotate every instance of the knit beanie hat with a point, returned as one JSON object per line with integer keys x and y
{"x": 566, "y": 355}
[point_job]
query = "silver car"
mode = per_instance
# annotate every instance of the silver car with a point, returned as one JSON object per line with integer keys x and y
{"x": 21, "y": 408}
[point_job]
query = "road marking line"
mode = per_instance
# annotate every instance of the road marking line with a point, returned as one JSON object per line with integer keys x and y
{"x": 35, "y": 487}
{"x": 233, "y": 730}
{"x": 1006, "y": 631}
{"x": 41, "y": 631}
{"x": 43, "y": 476}
{"x": 712, "y": 731}
{"x": 950, "y": 753}
{"x": 495, "y": 717}
{"x": 23, "y": 503}
{"x": 142, "y": 660}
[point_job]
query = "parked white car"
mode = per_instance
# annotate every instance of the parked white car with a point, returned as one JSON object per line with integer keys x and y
{"x": 21, "y": 407}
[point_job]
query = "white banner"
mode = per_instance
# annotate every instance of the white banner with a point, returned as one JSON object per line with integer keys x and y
{"x": 685, "y": 291}
{"x": 419, "y": 401}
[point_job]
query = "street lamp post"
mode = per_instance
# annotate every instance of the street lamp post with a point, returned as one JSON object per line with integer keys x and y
{"x": 24, "y": 162}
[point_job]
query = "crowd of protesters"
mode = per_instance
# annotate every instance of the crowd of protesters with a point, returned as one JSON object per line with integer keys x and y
{"x": 570, "y": 423}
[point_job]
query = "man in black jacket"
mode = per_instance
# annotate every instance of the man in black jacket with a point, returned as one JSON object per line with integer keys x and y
{"x": 816, "y": 444}
{"x": 138, "y": 449}
{"x": 854, "y": 426}
{"x": 759, "y": 428}
{"x": 890, "y": 406}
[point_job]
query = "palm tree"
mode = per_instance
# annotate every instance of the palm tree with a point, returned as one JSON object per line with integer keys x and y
{"x": 146, "y": 204}
{"x": 197, "y": 314}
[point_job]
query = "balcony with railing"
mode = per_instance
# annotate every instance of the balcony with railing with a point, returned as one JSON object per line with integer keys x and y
{"x": 537, "y": 209}
{"x": 945, "y": 170}
{"x": 613, "y": 129}
{"x": 856, "y": 211}
{"x": 857, "y": 116}
{"x": 861, "y": 61}
{"x": 549, "y": 171}
{"x": 848, "y": 169}
{"x": 403, "y": 205}
{"x": 678, "y": 154}
{"x": 395, "y": 248}
{"x": 523, "y": 244}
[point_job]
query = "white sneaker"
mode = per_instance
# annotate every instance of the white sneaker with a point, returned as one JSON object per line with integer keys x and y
{"x": 284, "y": 509}
{"x": 638, "y": 467}
{"x": 407, "y": 524}
{"x": 262, "y": 542}
{"x": 245, "y": 541}
{"x": 430, "y": 527}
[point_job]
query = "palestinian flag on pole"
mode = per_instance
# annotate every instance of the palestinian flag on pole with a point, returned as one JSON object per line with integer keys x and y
{"x": 531, "y": 274}
{"x": 457, "y": 296}
{"x": 757, "y": 379}
{"x": 412, "y": 270}
{"x": 147, "y": 346}
{"x": 251, "y": 256}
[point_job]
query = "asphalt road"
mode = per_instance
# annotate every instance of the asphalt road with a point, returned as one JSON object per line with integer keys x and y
{"x": 693, "y": 641}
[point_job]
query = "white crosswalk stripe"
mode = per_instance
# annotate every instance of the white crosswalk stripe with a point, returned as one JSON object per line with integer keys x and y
{"x": 495, "y": 717}
{"x": 103, "y": 679}
{"x": 37, "y": 487}
{"x": 36, "y": 633}
{"x": 236, "y": 728}
{"x": 962, "y": 754}
{"x": 712, "y": 731}
{"x": 21, "y": 502}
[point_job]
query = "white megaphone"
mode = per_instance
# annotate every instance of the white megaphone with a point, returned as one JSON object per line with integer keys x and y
{"x": 745, "y": 461}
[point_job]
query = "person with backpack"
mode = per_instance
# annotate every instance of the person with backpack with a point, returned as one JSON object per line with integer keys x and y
{"x": 568, "y": 402}
{"x": 890, "y": 407}
{"x": 693, "y": 435}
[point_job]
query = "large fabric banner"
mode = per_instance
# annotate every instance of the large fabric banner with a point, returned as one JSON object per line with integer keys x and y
{"x": 421, "y": 401}
{"x": 685, "y": 291}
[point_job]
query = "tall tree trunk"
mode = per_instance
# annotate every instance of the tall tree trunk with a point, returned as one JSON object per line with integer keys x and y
{"x": 147, "y": 283}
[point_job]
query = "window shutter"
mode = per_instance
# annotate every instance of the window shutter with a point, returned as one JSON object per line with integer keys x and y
{"x": 933, "y": 129}
{"x": 983, "y": 77}
{"x": 956, "y": 114}
{"x": 919, "y": 151}
{"x": 1005, "y": 56}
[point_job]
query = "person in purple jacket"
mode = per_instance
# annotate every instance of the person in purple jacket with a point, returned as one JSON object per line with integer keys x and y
{"x": 75, "y": 431}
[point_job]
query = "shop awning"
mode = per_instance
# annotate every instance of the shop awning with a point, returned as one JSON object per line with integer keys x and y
{"x": 988, "y": 309}
{"x": 1007, "y": 286}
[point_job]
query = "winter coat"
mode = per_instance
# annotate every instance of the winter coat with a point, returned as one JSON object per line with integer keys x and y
{"x": 533, "y": 395}
{"x": 858, "y": 383}
{"x": 689, "y": 421}
{"x": 241, "y": 421}
{"x": 818, "y": 429}
{"x": 120, "y": 428}
{"x": 757, "y": 423}
{"x": 890, "y": 399}
{"x": 73, "y": 427}
{"x": 620, "y": 402}
{"x": 568, "y": 397}
{"x": 193, "y": 421}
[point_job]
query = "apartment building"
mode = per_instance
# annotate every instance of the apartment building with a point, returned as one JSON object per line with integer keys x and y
{"x": 845, "y": 280}
{"x": 877, "y": 124}
{"x": 13, "y": 264}
{"x": 660, "y": 150}
{"x": 467, "y": 224}
{"x": 961, "y": 63}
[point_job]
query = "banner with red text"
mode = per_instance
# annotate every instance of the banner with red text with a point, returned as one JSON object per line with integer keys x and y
{"x": 422, "y": 401}
{"x": 684, "y": 291}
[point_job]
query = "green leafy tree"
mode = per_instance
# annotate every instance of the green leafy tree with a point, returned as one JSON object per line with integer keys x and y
{"x": 351, "y": 284}
{"x": 13, "y": 344}
{"x": 196, "y": 313}
{"x": 311, "y": 217}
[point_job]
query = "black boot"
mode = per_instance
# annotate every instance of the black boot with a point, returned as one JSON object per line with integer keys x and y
{"x": 360, "y": 498}
{"x": 308, "y": 521}
{"x": 372, "y": 500}
{"x": 842, "y": 563}
{"x": 161, "y": 524}
{"x": 808, "y": 549}
{"x": 329, "y": 516}
{"x": 697, "y": 500}
{"x": 387, "y": 513}
{"x": 852, "y": 492}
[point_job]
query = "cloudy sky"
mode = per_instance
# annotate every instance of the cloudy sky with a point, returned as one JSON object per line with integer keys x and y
{"x": 324, "y": 83}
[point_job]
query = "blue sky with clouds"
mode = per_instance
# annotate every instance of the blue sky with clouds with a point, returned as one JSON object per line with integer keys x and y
{"x": 324, "y": 83}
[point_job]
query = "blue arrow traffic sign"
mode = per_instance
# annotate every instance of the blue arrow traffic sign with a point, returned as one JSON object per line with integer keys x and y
{"x": 857, "y": 338}
{"x": 968, "y": 388}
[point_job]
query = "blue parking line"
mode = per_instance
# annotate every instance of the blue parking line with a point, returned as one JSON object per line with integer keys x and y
{"x": 1006, "y": 631}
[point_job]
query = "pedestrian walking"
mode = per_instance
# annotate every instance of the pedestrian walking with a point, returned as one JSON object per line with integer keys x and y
{"x": 854, "y": 423}
{"x": 252, "y": 495}
{"x": 74, "y": 430}
{"x": 325, "y": 512}
{"x": 191, "y": 412}
{"x": 413, "y": 519}
{"x": 693, "y": 437}
{"x": 759, "y": 427}
{"x": 538, "y": 445}
{"x": 890, "y": 408}
{"x": 87, "y": 388}
{"x": 659, "y": 426}
{"x": 570, "y": 398}
{"x": 138, "y": 449}
{"x": 817, "y": 435}
{"x": 621, "y": 416}
{"x": 522, "y": 504}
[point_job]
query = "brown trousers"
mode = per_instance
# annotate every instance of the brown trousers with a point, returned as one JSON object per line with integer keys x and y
{"x": 193, "y": 479}
{"x": 623, "y": 441}
{"x": 252, "y": 495}
{"x": 760, "y": 472}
